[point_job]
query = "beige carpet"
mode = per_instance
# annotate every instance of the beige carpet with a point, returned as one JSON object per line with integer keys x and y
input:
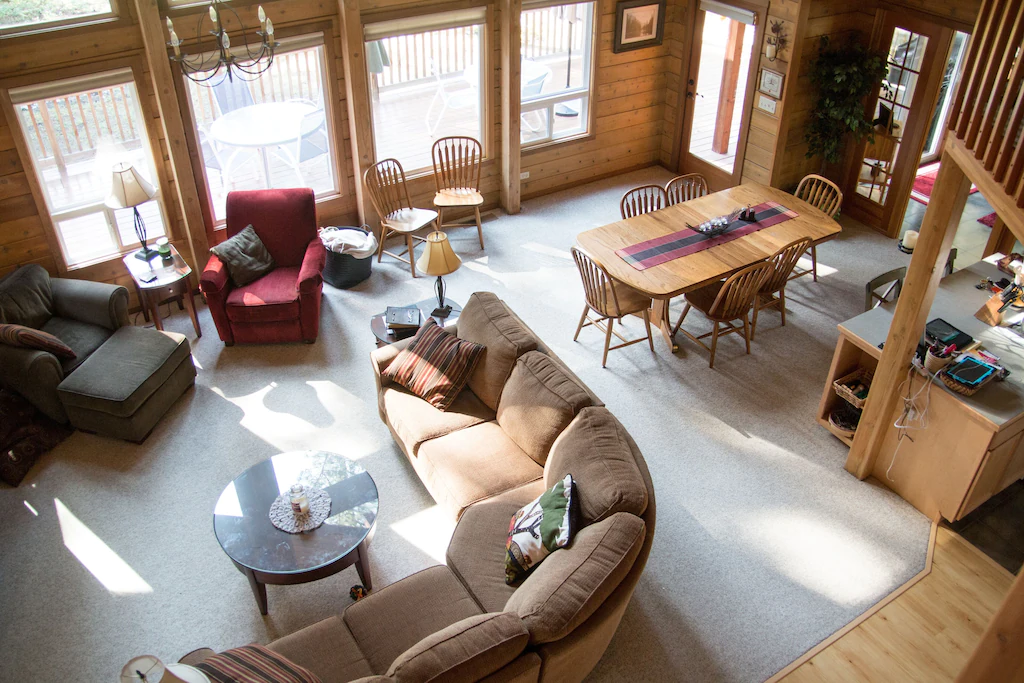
{"x": 764, "y": 544}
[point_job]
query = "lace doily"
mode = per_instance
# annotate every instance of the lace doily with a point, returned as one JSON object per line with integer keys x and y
{"x": 283, "y": 518}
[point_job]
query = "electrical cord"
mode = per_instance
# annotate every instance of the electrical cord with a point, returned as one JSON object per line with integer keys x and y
{"x": 904, "y": 423}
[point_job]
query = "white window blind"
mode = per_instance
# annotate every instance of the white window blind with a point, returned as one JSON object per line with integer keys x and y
{"x": 743, "y": 16}
{"x": 424, "y": 23}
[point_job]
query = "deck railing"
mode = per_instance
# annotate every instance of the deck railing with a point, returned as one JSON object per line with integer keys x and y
{"x": 424, "y": 56}
{"x": 294, "y": 75}
{"x": 989, "y": 106}
{"x": 61, "y": 130}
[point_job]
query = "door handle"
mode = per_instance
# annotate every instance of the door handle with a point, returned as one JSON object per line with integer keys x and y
{"x": 689, "y": 95}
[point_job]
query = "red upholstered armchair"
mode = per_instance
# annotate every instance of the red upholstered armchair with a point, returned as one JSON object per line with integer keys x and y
{"x": 284, "y": 304}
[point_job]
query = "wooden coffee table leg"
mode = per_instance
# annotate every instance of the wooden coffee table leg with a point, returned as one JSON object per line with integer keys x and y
{"x": 258, "y": 589}
{"x": 363, "y": 565}
{"x": 154, "y": 303}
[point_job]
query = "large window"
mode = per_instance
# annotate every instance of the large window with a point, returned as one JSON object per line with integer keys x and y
{"x": 557, "y": 55}
{"x": 425, "y": 83}
{"x": 28, "y": 16}
{"x": 271, "y": 132}
{"x": 77, "y": 130}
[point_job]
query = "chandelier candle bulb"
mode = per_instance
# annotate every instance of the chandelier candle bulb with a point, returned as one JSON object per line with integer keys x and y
{"x": 261, "y": 14}
{"x": 270, "y": 28}
{"x": 170, "y": 25}
{"x": 213, "y": 15}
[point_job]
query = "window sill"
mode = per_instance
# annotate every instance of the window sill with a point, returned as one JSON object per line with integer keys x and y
{"x": 540, "y": 146}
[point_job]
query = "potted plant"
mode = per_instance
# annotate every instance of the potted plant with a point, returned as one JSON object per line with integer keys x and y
{"x": 843, "y": 77}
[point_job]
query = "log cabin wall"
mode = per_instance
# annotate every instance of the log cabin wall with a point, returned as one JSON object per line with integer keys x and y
{"x": 635, "y": 122}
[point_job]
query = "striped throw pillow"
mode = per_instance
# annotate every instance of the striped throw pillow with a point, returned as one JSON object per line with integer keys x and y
{"x": 435, "y": 366}
{"x": 254, "y": 664}
{"x": 29, "y": 338}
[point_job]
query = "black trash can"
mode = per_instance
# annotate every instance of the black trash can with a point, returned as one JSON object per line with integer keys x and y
{"x": 344, "y": 270}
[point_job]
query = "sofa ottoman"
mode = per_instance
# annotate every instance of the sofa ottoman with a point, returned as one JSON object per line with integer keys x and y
{"x": 126, "y": 385}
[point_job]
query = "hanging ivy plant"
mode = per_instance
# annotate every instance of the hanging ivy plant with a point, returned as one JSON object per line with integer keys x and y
{"x": 842, "y": 77}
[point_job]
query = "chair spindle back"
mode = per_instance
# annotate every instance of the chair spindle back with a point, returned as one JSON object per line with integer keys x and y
{"x": 821, "y": 193}
{"x": 686, "y": 187}
{"x": 737, "y": 294}
{"x": 643, "y": 199}
{"x": 598, "y": 287}
{"x": 457, "y": 162}
{"x": 783, "y": 262}
{"x": 385, "y": 181}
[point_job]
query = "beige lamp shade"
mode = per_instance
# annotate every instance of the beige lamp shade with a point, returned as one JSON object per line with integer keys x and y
{"x": 438, "y": 258}
{"x": 128, "y": 188}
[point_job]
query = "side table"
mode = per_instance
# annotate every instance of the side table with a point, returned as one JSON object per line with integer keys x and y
{"x": 385, "y": 336}
{"x": 160, "y": 279}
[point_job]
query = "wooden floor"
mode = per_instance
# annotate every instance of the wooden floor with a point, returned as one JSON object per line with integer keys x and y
{"x": 926, "y": 633}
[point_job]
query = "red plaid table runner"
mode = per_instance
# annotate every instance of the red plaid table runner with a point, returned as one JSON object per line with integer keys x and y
{"x": 685, "y": 242}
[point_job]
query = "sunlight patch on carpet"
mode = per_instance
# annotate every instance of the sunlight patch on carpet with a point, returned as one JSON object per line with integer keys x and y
{"x": 102, "y": 562}
{"x": 428, "y": 530}
{"x": 836, "y": 562}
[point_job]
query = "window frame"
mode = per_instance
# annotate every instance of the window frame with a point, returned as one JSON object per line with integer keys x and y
{"x": 327, "y": 204}
{"x": 113, "y": 18}
{"x": 583, "y": 92}
{"x": 487, "y": 87}
{"x": 51, "y": 232}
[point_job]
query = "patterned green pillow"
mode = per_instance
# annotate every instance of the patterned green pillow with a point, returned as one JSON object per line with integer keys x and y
{"x": 540, "y": 528}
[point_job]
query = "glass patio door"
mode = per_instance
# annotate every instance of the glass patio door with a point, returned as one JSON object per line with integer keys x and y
{"x": 718, "y": 91}
{"x": 887, "y": 161}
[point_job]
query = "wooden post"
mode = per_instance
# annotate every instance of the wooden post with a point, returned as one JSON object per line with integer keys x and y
{"x": 152, "y": 27}
{"x": 999, "y": 655}
{"x": 727, "y": 94}
{"x": 1001, "y": 240}
{"x": 357, "y": 97}
{"x": 938, "y": 228}
{"x": 511, "y": 104}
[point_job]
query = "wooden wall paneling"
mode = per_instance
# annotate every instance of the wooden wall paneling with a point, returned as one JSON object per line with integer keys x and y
{"x": 510, "y": 22}
{"x": 152, "y": 27}
{"x": 938, "y": 228}
{"x": 357, "y": 97}
{"x": 31, "y": 204}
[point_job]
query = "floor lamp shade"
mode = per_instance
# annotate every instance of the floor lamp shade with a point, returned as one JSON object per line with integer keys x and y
{"x": 438, "y": 258}
{"x": 128, "y": 189}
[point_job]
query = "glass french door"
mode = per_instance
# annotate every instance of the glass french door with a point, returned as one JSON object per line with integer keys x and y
{"x": 937, "y": 128}
{"x": 902, "y": 113}
{"x": 718, "y": 92}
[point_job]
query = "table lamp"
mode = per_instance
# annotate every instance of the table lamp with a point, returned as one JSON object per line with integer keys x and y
{"x": 438, "y": 259}
{"x": 127, "y": 191}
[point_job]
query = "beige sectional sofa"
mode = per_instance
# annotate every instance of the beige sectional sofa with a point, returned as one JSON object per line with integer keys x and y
{"x": 522, "y": 424}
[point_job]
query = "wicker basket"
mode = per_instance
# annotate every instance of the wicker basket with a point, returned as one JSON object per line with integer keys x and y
{"x": 862, "y": 375}
{"x": 962, "y": 389}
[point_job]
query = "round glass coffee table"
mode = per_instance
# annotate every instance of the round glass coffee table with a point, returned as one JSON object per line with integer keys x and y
{"x": 265, "y": 554}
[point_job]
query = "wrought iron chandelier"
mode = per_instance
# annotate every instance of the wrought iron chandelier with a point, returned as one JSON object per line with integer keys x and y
{"x": 211, "y": 68}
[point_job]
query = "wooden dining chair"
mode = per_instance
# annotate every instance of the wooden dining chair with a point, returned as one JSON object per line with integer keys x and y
{"x": 821, "y": 193}
{"x": 457, "y": 161}
{"x": 385, "y": 182}
{"x": 643, "y": 199}
{"x": 724, "y": 302}
{"x": 783, "y": 262}
{"x": 894, "y": 278}
{"x": 683, "y": 188}
{"x": 611, "y": 301}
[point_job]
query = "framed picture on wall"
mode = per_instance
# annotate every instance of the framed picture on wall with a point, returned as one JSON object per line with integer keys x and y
{"x": 638, "y": 24}
{"x": 770, "y": 83}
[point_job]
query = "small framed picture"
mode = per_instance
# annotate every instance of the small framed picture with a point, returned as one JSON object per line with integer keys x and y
{"x": 770, "y": 83}
{"x": 638, "y": 24}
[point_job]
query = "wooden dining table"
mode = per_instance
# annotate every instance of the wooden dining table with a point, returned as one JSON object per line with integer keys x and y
{"x": 668, "y": 280}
